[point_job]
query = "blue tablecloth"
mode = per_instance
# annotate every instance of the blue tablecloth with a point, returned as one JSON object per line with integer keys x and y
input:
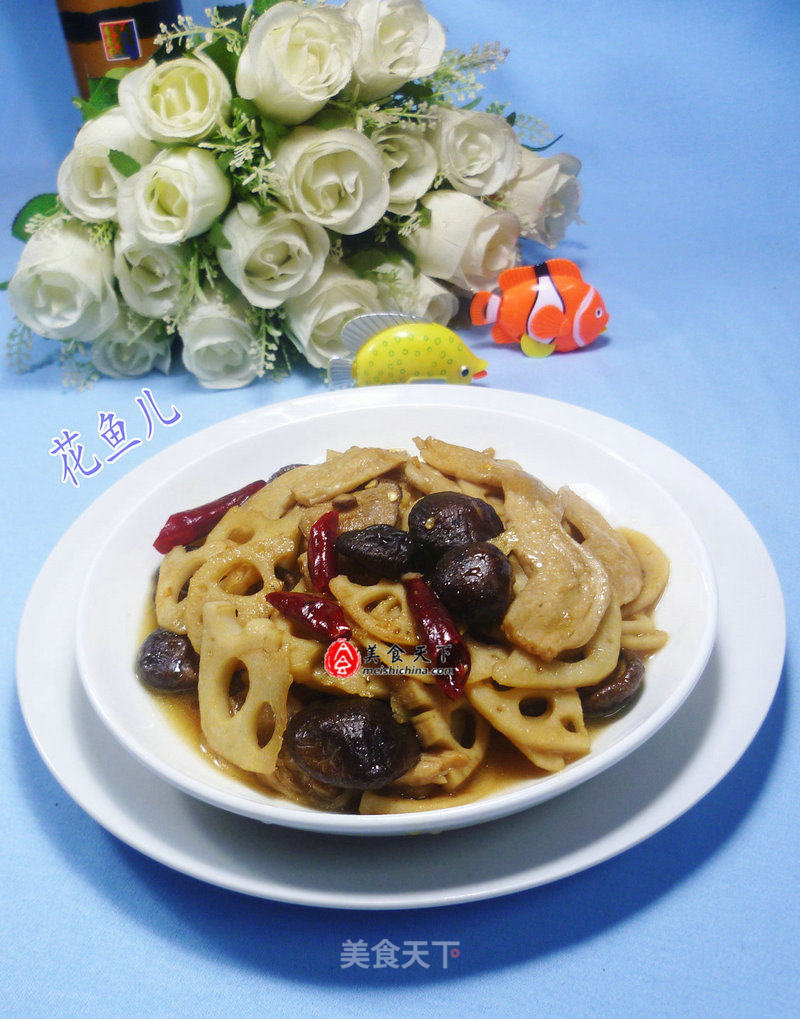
{"x": 686, "y": 118}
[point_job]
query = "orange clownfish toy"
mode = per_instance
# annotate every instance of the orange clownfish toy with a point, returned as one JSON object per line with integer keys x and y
{"x": 547, "y": 307}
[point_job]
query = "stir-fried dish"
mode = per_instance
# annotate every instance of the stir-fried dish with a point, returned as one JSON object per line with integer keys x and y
{"x": 365, "y": 633}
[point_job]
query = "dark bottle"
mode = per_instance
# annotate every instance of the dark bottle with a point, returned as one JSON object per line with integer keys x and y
{"x": 102, "y": 34}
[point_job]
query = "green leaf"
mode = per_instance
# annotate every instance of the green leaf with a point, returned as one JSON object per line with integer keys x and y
{"x": 4, "y": 285}
{"x": 365, "y": 262}
{"x": 123, "y": 163}
{"x": 40, "y": 205}
{"x": 224, "y": 160}
{"x": 416, "y": 90}
{"x": 272, "y": 132}
{"x": 331, "y": 117}
{"x": 511, "y": 119}
{"x": 259, "y": 6}
{"x": 234, "y": 13}
{"x": 412, "y": 259}
{"x": 104, "y": 90}
{"x": 246, "y": 106}
{"x": 225, "y": 60}
{"x": 217, "y": 238}
{"x": 472, "y": 105}
{"x": 117, "y": 73}
{"x": 102, "y": 96}
{"x": 542, "y": 148}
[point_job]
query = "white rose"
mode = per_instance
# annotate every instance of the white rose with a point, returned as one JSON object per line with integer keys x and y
{"x": 335, "y": 177}
{"x": 274, "y": 255}
{"x": 178, "y": 195}
{"x": 545, "y": 196}
{"x": 432, "y": 301}
{"x": 149, "y": 275}
{"x": 401, "y": 41}
{"x": 399, "y": 289}
{"x": 411, "y": 163}
{"x": 131, "y": 346}
{"x": 63, "y": 288}
{"x": 219, "y": 343}
{"x": 465, "y": 243}
{"x": 316, "y": 319}
{"x": 296, "y": 59}
{"x": 181, "y": 100}
{"x": 87, "y": 182}
{"x": 478, "y": 152}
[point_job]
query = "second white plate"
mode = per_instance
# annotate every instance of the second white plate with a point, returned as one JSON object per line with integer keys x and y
{"x": 575, "y": 831}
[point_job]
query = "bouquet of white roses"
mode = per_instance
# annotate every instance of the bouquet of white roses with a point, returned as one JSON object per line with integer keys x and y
{"x": 269, "y": 176}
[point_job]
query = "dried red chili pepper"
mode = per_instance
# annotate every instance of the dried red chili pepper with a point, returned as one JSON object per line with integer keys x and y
{"x": 441, "y": 637}
{"x": 190, "y": 525}
{"x": 322, "y": 558}
{"x": 323, "y": 616}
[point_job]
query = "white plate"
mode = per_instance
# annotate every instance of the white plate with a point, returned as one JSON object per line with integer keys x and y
{"x": 583, "y": 827}
{"x": 120, "y": 581}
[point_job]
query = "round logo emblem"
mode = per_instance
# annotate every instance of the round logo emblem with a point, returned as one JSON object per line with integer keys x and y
{"x": 342, "y": 659}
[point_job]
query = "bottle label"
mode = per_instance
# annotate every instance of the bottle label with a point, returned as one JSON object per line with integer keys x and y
{"x": 120, "y": 40}
{"x": 102, "y": 34}
{"x": 128, "y": 23}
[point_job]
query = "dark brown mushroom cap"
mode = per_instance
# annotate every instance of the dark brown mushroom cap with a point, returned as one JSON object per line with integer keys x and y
{"x": 474, "y": 583}
{"x": 167, "y": 661}
{"x": 351, "y": 743}
{"x": 616, "y": 691}
{"x": 447, "y": 520}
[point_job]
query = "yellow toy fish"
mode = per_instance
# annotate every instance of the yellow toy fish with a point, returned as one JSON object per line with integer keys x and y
{"x": 388, "y": 347}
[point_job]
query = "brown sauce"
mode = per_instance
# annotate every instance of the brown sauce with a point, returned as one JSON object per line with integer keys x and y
{"x": 182, "y": 712}
{"x": 503, "y": 767}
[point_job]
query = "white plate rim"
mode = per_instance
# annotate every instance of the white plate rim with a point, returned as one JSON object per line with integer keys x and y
{"x": 499, "y": 805}
{"x": 693, "y": 786}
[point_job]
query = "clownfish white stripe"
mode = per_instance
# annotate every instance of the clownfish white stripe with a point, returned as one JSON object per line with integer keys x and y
{"x": 547, "y": 296}
{"x": 582, "y": 309}
{"x": 492, "y": 308}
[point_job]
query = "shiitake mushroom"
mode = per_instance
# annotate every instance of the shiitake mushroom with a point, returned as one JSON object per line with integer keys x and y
{"x": 616, "y": 692}
{"x": 447, "y": 520}
{"x": 381, "y": 548}
{"x": 474, "y": 583}
{"x": 351, "y": 743}
{"x": 283, "y": 470}
{"x": 167, "y": 662}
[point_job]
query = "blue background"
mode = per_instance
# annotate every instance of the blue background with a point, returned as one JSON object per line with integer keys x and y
{"x": 686, "y": 118}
